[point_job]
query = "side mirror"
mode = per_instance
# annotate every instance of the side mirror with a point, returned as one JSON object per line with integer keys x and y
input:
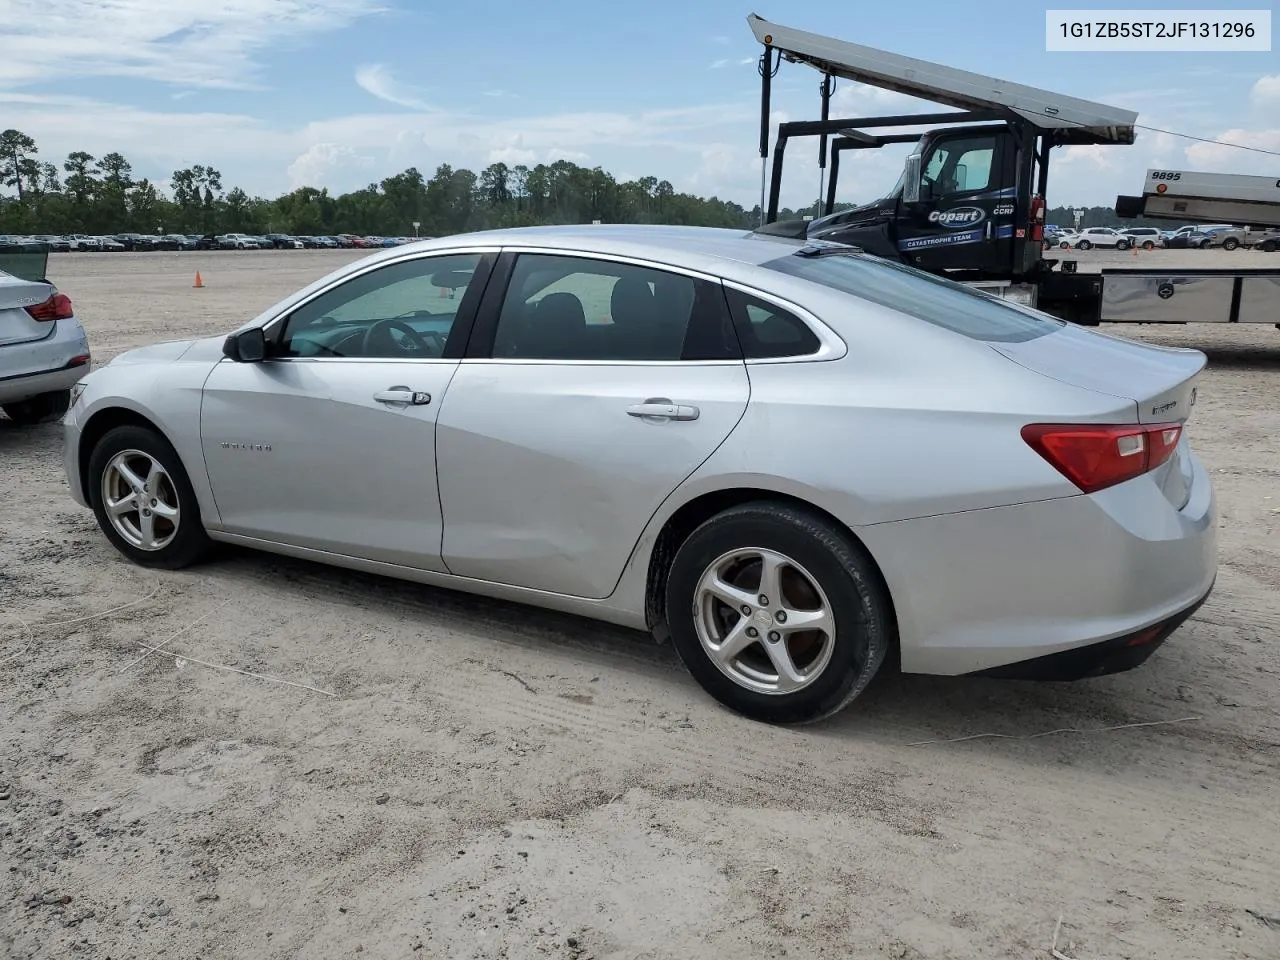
{"x": 911, "y": 179}
{"x": 247, "y": 346}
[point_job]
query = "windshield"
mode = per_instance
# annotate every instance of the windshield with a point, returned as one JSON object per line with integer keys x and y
{"x": 944, "y": 303}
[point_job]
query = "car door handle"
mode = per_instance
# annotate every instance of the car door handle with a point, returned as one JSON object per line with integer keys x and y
{"x": 663, "y": 409}
{"x": 403, "y": 395}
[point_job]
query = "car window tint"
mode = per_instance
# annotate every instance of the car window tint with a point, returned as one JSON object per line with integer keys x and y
{"x": 579, "y": 308}
{"x": 404, "y": 310}
{"x": 922, "y": 295}
{"x": 767, "y": 331}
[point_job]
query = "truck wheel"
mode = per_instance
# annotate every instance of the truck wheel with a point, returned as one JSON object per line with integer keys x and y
{"x": 1230, "y": 243}
{"x": 1084, "y": 245}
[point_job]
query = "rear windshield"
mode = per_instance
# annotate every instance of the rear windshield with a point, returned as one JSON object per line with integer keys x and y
{"x": 942, "y": 302}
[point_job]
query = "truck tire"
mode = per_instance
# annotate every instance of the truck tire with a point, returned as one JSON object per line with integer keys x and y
{"x": 1230, "y": 243}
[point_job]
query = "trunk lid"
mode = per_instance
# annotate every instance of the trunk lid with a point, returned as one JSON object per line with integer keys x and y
{"x": 16, "y": 325}
{"x": 1160, "y": 382}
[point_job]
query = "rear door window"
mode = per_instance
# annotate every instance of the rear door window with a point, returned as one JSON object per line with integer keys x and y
{"x": 926, "y": 297}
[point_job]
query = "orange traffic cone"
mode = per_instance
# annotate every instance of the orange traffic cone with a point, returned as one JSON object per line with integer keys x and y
{"x": 199, "y": 282}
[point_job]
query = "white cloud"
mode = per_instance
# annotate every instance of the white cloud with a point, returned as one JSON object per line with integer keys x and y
{"x": 180, "y": 42}
{"x": 377, "y": 80}
{"x": 322, "y": 163}
{"x": 1224, "y": 158}
{"x": 1266, "y": 90}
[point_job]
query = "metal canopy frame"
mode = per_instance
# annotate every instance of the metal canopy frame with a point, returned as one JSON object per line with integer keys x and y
{"x": 1077, "y": 120}
{"x": 1051, "y": 118}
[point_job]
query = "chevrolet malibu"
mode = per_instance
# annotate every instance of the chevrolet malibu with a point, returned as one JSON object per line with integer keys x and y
{"x": 792, "y": 461}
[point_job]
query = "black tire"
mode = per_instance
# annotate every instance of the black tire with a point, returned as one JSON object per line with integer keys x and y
{"x": 1230, "y": 243}
{"x": 44, "y": 408}
{"x": 1122, "y": 244}
{"x": 190, "y": 543}
{"x": 1269, "y": 246}
{"x": 1148, "y": 245}
{"x": 1084, "y": 245}
{"x": 1202, "y": 245}
{"x": 859, "y": 601}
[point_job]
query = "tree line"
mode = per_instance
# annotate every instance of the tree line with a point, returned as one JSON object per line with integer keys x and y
{"x": 101, "y": 195}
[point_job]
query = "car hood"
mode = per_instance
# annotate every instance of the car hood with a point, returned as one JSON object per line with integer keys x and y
{"x": 207, "y": 348}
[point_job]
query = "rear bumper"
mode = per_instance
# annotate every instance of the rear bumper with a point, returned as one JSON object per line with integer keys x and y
{"x": 43, "y": 366}
{"x": 1057, "y": 586}
{"x": 1098, "y": 659}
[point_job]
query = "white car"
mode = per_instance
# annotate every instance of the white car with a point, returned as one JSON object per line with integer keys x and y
{"x": 1148, "y": 238}
{"x": 1101, "y": 237}
{"x": 43, "y": 350}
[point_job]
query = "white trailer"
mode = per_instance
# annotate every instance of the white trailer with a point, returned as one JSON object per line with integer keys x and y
{"x": 1206, "y": 198}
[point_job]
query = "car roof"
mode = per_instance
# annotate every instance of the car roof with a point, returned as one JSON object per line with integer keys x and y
{"x": 681, "y": 245}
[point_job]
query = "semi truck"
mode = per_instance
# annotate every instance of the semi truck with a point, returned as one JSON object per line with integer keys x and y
{"x": 970, "y": 202}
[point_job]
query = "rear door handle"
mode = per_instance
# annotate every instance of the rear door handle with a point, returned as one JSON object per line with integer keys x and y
{"x": 660, "y": 408}
{"x": 403, "y": 395}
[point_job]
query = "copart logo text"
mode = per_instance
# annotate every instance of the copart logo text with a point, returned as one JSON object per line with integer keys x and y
{"x": 957, "y": 217}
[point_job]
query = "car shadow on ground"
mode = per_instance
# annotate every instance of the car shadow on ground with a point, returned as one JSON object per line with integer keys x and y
{"x": 899, "y": 709}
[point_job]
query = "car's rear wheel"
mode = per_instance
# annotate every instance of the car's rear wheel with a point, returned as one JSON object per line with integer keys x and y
{"x": 1148, "y": 245}
{"x": 44, "y": 408}
{"x": 1122, "y": 244}
{"x": 143, "y": 499}
{"x": 1084, "y": 245}
{"x": 777, "y": 613}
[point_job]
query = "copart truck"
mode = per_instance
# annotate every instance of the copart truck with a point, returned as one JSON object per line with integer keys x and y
{"x": 971, "y": 200}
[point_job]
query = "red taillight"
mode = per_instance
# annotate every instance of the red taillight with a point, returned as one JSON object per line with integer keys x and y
{"x": 57, "y": 307}
{"x": 1096, "y": 456}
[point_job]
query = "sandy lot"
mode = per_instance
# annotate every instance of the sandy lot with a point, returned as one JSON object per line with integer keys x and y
{"x": 473, "y": 779}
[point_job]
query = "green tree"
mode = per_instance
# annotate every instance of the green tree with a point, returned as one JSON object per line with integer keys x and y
{"x": 17, "y": 163}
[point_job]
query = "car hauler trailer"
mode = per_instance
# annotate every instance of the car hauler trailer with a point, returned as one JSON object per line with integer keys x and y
{"x": 971, "y": 200}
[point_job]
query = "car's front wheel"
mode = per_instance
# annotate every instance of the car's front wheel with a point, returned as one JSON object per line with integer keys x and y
{"x": 1230, "y": 243}
{"x": 143, "y": 499}
{"x": 777, "y": 613}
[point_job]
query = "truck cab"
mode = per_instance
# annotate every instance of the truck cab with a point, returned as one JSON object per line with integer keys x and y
{"x": 953, "y": 208}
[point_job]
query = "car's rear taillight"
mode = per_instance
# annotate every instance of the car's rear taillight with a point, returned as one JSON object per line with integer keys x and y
{"x": 1095, "y": 456}
{"x": 57, "y": 307}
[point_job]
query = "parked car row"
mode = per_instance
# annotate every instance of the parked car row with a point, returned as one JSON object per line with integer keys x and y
{"x": 1193, "y": 237}
{"x": 179, "y": 241}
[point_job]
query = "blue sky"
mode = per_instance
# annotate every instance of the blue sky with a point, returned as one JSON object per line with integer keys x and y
{"x": 339, "y": 93}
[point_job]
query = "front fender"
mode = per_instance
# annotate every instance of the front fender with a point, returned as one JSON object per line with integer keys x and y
{"x": 166, "y": 395}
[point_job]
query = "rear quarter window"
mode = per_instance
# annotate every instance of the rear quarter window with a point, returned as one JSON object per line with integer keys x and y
{"x": 941, "y": 302}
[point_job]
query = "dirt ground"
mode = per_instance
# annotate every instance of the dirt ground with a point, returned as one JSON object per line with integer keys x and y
{"x": 475, "y": 779}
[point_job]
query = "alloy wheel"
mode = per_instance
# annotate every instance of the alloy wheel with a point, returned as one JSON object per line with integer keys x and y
{"x": 764, "y": 621}
{"x": 140, "y": 500}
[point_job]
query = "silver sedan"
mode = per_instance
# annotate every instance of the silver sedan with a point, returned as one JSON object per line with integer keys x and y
{"x": 795, "y": 462}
